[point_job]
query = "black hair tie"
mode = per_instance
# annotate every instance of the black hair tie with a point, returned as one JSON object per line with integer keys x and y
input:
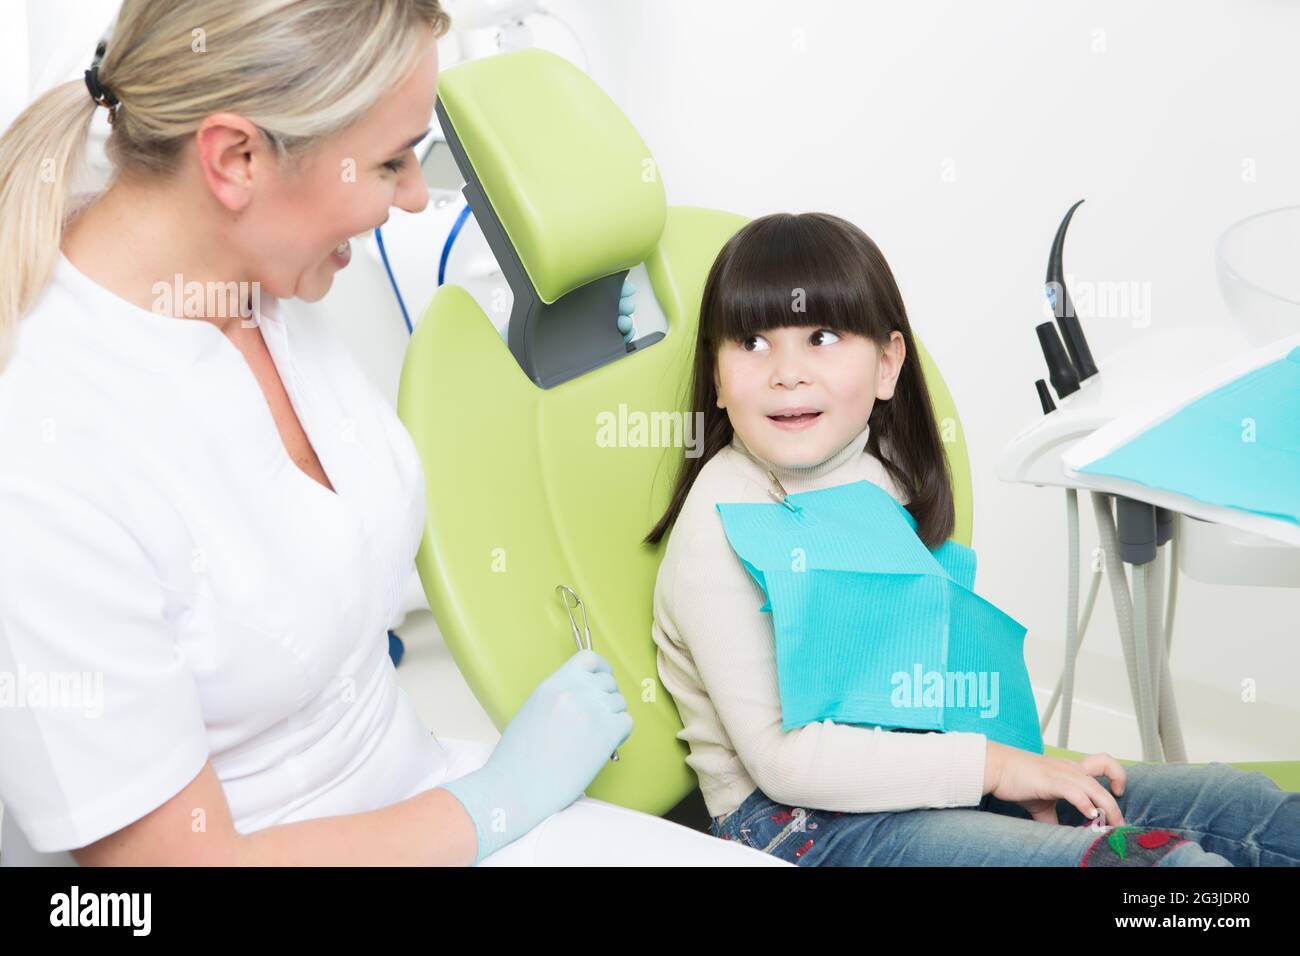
{"x": 100, "y": 93}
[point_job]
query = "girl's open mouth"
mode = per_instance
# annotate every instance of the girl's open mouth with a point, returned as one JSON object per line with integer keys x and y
{"x": 795, "y": 419}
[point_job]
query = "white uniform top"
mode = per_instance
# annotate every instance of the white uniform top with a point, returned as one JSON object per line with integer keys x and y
{"x": 174, "y": 589}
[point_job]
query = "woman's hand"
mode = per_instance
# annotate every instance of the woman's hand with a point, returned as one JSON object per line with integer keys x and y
{"x": 567, "y": 729}
{"x": 561, "y": 738}
{"x": 1036, "y": 782}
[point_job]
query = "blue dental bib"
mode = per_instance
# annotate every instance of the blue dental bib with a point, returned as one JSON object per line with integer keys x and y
{"x": 872, "y": 627}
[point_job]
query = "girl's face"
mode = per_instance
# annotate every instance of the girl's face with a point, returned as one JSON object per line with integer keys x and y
{"x": 828, "y": 381}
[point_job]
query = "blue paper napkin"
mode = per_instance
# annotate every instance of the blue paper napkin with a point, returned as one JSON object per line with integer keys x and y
{"x": 1236, "y": 447}
{"x": 872, "y": 627}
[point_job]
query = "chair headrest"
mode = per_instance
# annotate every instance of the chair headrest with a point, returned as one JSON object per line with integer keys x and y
{"x": 575, "y": 188}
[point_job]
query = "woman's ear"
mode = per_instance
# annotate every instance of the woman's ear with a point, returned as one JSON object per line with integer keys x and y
{"x": 890, "y": 365}
{"x": 717, "y": 387}
{"x": 230, "y": 149}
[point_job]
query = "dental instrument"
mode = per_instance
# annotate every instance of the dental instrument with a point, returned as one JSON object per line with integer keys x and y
{"x": 1138, "y": 388}
{"x": 565, "y": 592}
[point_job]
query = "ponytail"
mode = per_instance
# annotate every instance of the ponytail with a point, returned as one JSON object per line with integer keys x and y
{"x": 39, "y": 155}
{"x": 301, "y": 70}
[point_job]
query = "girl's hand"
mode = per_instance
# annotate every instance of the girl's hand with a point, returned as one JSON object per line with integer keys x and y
{"x": 1036, "y": 782}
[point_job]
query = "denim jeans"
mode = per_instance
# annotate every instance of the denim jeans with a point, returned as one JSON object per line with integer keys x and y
{"x": 1228, "y": 817}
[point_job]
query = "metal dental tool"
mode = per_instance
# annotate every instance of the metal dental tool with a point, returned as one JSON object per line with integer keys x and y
{"x": 564, "y": 591}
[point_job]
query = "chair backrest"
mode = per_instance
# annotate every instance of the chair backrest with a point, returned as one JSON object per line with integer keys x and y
{"x": 541, "y": 474}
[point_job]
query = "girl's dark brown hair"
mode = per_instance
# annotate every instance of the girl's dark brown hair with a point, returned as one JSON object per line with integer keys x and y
{"x": 847, "y": 287}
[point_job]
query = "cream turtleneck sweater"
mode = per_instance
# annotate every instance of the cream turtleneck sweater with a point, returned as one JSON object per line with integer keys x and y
{"x": 717, "y": 657}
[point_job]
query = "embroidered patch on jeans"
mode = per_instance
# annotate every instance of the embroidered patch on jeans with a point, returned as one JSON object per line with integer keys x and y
{"x": 1131, "y": 846}
{"x": 791, "y": 820}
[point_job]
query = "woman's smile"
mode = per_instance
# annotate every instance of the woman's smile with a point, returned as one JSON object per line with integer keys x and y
{"x": 342, "y": 253}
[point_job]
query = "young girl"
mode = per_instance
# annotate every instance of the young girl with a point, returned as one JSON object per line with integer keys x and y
{"x": 805, "y": 368}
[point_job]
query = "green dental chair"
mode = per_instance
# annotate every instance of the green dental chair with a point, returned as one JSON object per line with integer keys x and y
{"x": 525, "y": 490}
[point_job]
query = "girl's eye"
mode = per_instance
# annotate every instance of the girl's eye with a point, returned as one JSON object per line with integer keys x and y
{"x": 395, "y": 165}
{"x": 824, "y": 332}
{"x": 761, "y": 343}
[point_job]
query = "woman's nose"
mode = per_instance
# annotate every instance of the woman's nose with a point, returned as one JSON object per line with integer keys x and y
{"x": 412, "y": 190}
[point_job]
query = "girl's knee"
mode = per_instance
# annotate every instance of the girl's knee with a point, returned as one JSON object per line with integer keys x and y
{"x": 1188, "y": 853}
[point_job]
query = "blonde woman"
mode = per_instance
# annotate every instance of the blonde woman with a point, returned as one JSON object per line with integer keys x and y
{"x": 208, "y": 514}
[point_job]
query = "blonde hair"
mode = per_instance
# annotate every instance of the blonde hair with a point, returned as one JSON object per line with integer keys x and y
{"x": 300, "y": 70}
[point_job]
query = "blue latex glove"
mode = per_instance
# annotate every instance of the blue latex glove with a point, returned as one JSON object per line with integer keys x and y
{"x": 563, "y": 736}
{"x": 625, "y": 310}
